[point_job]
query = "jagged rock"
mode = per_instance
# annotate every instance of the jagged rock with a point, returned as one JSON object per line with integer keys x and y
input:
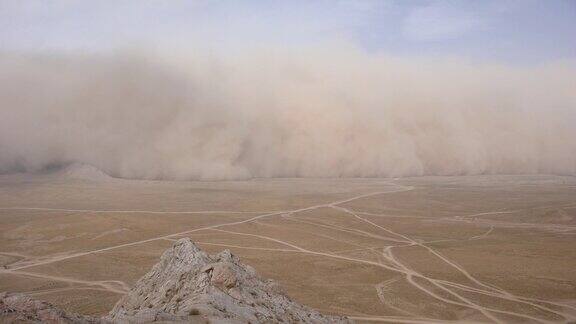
{"x": 19, "y": 308}
{"x": 187, "y": 281}
{"x": 187, "y": 286}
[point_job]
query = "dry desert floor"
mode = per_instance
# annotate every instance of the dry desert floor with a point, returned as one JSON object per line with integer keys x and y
{"x": 410, "y": 250}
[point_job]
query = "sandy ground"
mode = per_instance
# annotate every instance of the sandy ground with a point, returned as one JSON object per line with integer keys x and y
{"x": 412, "y": 250}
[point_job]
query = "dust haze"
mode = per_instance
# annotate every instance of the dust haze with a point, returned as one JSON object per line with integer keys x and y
{"x": 317, "y": 112}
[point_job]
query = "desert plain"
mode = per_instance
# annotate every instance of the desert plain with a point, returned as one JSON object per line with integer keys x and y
{"x": 403, "y": 250}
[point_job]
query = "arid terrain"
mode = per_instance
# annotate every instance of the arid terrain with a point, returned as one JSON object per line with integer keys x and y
{"x": 412, "y": 250}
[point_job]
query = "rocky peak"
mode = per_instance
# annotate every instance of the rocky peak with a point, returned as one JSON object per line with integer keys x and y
{"x": 188, "y": 282}
{"x": 187, "y": 285}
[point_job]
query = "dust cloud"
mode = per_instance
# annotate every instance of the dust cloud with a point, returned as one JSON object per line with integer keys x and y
{"x": 329, "y": 112}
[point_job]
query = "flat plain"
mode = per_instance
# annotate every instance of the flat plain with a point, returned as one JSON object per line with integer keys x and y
{"x": 409, "y": 250}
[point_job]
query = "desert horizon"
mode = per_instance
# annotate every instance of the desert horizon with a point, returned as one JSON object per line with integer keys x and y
{"x": 330, "y": 161}
{"x": 80, "y": 239}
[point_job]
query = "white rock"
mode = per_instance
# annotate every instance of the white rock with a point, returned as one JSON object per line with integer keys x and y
{"x": 186, "y": 286}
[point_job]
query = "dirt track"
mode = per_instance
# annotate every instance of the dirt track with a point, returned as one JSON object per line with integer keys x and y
{"x": 483, "y": 248}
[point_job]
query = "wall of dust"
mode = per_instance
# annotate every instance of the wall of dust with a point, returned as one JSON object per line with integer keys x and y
{"x": 316, "y": 112}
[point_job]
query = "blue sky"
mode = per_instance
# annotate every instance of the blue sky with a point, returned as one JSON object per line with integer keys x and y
{"x": 525, "y": 31}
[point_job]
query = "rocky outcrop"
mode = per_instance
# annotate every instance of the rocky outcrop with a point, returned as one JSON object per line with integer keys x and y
{"x": 19, "y": 308}
{"x": 188, "y": 285}
{"x": 189, "y": 282}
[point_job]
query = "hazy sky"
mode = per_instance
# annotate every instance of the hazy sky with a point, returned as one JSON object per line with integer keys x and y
{"x": 223, "y": 89}
{"x": 524, "y": 31}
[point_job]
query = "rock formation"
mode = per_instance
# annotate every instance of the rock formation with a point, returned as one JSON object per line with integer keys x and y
{"x": 19, "y": 308}
{"x": 188, "y": 285}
